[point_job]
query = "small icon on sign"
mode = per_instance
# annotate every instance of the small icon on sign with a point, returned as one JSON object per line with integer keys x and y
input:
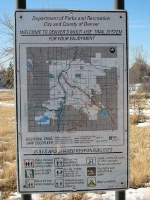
{"x": 91, "y": 182}
{"x": 59, "y": 162}
{"x": 112, "y": 50}
{"x": 29, "y": 173}
{"x": 29, "y": 183}
{"x": 29, "y": 163}
{"x": 59, "y": 172}
{"x": 59, "y": 183}
{"x": 91, "y": 171}
{"x": 91, "y": 161}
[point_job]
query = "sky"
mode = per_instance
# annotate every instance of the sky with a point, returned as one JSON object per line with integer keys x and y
{"x": 138, "y": 16}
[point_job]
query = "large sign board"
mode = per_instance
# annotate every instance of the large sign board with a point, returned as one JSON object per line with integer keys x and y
{"x": 71, "y": 83}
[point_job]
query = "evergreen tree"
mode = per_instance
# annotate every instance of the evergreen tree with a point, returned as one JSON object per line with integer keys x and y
{"x": 2, "y": 77}
{"x": 10, "y": 76}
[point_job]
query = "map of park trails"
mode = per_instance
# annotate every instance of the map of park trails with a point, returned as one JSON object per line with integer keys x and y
{"x": 72, "y": 88}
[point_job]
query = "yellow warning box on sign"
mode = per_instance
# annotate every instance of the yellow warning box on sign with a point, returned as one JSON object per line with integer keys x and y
{"x": 91, "y": 182}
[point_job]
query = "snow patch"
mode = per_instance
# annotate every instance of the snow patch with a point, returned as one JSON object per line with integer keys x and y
{"x": 5, "y": 90}
{"x": 15, "y": 196}
{"x": 144, "y": 111}
{"x": 6, "y": 103}
{"x": 131, "y": 194}
{"x": 144, "y": 124}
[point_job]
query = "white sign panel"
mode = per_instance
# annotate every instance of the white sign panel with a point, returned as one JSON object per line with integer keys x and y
{"x": 71, "y": 80}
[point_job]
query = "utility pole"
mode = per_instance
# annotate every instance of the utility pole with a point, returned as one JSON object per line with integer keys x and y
{"x": 21, "y": 4}
{"x": 119, "y": 195}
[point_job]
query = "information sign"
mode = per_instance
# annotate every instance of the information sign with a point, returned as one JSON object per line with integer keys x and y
{"x": 71, "y": 86}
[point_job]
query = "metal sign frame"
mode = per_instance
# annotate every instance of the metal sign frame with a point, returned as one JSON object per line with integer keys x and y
{"x": 28, "y": 165}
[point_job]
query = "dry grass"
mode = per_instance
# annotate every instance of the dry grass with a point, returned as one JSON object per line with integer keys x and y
{"x": 7, "y": 129}
{"x": 139, "y": 156}
{"x": 134, "y": 118}
{"x": 139, "y": 144}
{"x": 7, "y": 144}
{"x": 7, "y": 134}
{"x": 6, "y": 120}
{"x": 7, "y": 95}
{"x": 71, "y": 196}
{"x": 139, "y": 103}
{"x": 77, "y": 196}
{"x": 8, "y": 177}
{"x": 141, "y": 95}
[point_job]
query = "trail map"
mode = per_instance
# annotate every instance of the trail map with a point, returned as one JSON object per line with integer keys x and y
{"x": 72, "y": 88}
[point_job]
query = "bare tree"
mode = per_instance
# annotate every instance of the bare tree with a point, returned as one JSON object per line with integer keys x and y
{"x": 137, "y": 53}
{"x": 6, "y": 51}
{"x": 139, "y": 67}
{"x": 6, "y": 34}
